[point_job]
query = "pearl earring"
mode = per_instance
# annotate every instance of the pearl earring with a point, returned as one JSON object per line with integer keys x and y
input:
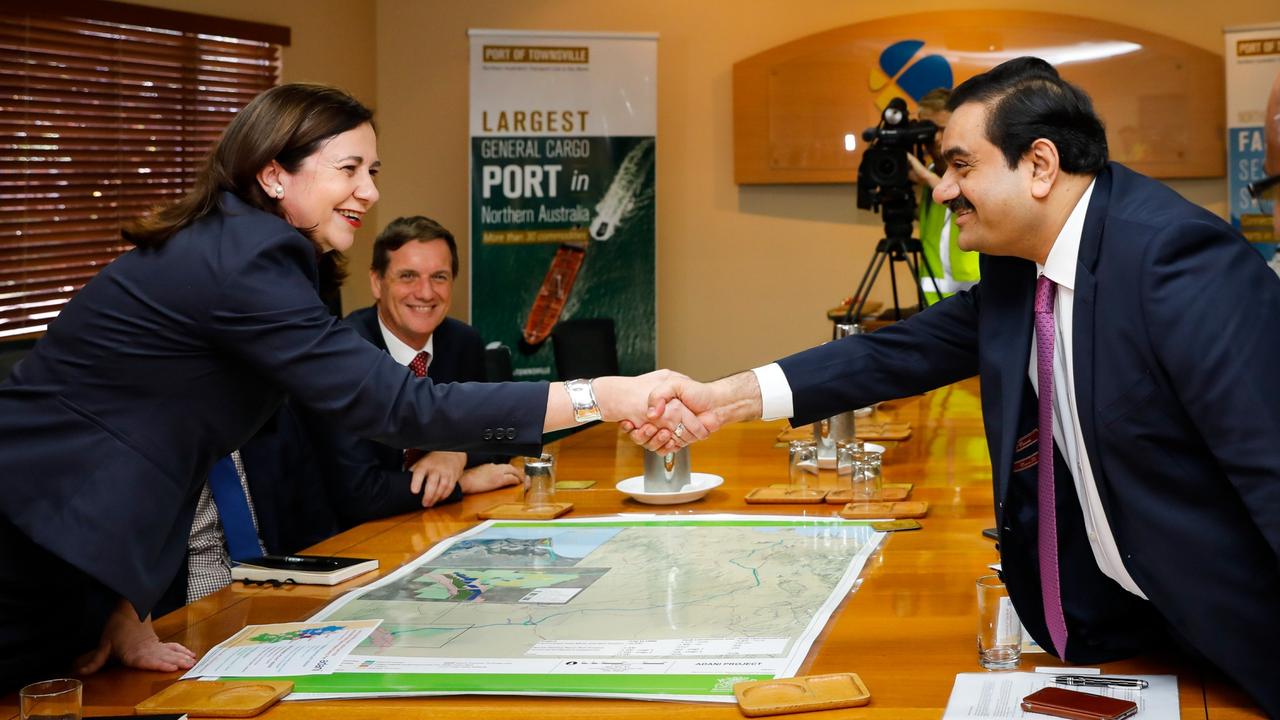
{"x": 279, "y": 192}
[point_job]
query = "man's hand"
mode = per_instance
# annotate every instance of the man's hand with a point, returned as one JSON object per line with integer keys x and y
{"x": 670, "y": 431}
{"x": 439, "y": 471}
{"x": 490, "y": 476}
{"x": 134, "y": 643}
{"x": 628, "y": 400}
{"x": 730, "y": 399}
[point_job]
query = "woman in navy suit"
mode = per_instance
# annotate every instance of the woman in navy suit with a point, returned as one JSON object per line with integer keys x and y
{"x": 179, "y": 350}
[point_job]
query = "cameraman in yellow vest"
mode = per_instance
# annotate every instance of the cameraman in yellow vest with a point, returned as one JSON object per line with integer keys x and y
{"x": 953, "y": 269}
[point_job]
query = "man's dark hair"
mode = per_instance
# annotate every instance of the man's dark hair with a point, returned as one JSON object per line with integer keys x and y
{"x": 1026, "y": 99}
{"x": 404, "y": 229}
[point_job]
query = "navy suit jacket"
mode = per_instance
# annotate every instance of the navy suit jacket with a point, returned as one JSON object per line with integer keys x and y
{"x": 365, "y": 478}
{"x": 172, "y": 357}
{"x": 1176, "y": 334}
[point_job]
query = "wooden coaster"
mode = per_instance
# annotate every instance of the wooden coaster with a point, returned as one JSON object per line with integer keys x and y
{"x": 887, "y": 494}
{"x": 517, "y": 511}
{"x": 801, "y": 694}
{"x": 783, "y": 496}
{"x": 906, "y": 487}
{"x": 882, "y": 431}
{"x": 885, "y": 510}
{"x": 862, "y": 430}
{"x": 216, "y": 698}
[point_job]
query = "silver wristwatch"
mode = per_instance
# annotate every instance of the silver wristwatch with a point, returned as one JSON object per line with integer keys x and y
{"x": 583, "y": 399}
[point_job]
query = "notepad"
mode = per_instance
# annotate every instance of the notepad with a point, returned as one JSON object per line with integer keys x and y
{"x": 302, "y": 569}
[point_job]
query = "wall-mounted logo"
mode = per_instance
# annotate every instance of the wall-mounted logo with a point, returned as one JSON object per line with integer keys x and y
{"x": 900, "y": 74}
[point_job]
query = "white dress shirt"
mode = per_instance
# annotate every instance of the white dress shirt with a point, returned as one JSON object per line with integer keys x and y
{"x": 1060, "y": 267}
{"x": 401, "y": 352}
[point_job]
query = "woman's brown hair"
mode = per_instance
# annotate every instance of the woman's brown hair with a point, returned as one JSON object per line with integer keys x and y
{"x": 286, "y": 123}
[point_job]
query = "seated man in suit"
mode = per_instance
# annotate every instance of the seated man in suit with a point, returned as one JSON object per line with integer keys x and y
{"x": 415, "y": 262}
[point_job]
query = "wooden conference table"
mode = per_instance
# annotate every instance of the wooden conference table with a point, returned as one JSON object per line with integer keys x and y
{"x": 907, "y": 630}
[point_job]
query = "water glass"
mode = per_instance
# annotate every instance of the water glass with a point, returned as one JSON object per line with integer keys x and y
{"x": 845, "y": 453}
{"x": 540, "y": 481}
{"x": 999, "y": 631}
{"x": 824, "y": 439}
{"x": 51, "y": 700}
{"x": 802, "y": 467}
{"x": 861, "y": 468}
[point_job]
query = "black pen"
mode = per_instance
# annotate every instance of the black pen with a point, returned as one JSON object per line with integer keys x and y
{"x": 1100, "y": 681}
{"x": 313, "y": 561}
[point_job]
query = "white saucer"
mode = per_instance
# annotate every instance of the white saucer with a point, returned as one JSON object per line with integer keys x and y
{"x": 827, "y": 463}
{"x": 699, "y": 484}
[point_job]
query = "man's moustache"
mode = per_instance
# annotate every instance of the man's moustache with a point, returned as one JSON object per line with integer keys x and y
{"x": 959, "y": 204}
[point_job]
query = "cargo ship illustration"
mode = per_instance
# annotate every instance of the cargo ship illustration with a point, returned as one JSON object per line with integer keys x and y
{"x": 551, "y": 297}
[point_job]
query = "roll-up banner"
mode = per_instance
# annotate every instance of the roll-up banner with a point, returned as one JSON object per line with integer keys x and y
{"x": 1253, "y": 62}
{"x": 563, "y": 131}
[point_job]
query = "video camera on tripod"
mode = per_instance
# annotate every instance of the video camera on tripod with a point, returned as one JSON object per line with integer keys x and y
{"x": 884, "y": 186}
{"x": 883, "y": 180}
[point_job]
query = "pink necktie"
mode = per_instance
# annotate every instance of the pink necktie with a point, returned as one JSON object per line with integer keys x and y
{"x": 1048, "y": 526}
{"x": 419, "y": 367}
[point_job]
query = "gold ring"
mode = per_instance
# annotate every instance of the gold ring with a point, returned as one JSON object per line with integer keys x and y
{"x": 679, "y": 430}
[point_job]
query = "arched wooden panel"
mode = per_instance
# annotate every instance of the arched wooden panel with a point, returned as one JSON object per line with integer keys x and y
{"x": 1161, "y": 99}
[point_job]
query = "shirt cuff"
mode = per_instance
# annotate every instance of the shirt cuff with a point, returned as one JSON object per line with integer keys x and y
{"x": 775, "y": 392}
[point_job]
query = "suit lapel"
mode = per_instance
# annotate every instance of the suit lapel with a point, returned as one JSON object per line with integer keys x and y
{"x": 366, "y": 323}
{"x": 1084, "y": 313}
{"x": 442, "y": 368}
{"x": 1009, "y": 339}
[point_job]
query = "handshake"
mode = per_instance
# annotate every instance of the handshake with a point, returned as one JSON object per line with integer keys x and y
{"x": 665, "y": 411}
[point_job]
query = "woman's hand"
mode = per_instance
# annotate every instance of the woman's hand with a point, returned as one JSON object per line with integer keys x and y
{"x": 134, "y": 643}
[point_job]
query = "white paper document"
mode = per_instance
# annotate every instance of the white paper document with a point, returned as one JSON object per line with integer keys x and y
{"x": 998, "y": 696}
{"x": 305, "y": 648}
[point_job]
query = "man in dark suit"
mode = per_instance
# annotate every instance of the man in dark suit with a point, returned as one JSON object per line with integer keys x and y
{"x": 415, "y": 263}
{"x": 1126, "y": 342}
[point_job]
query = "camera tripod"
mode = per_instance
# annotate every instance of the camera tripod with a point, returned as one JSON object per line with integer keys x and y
{"x": 906, "y": 250}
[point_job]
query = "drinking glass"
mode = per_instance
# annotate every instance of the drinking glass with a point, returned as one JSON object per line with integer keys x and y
{"x": 861, "y": 469}
{"x": 845, "y": 452}
{"x": 540, "y": 486}
{"x": 867, "y": 476}
{"x": 51, "y": 700}
{"x": 802, "y": 467}
{"x": 999, "y": 631}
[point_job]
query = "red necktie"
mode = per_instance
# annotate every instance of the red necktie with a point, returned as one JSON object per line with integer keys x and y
{"x": 1047, "y": 538}
{"x": 419, "y": 367}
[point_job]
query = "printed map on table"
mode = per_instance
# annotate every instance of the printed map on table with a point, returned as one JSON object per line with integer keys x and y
{"x": 655, "y": 607}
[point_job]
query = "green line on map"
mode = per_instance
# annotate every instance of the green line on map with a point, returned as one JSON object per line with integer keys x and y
{"x": 710, "y": 685}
